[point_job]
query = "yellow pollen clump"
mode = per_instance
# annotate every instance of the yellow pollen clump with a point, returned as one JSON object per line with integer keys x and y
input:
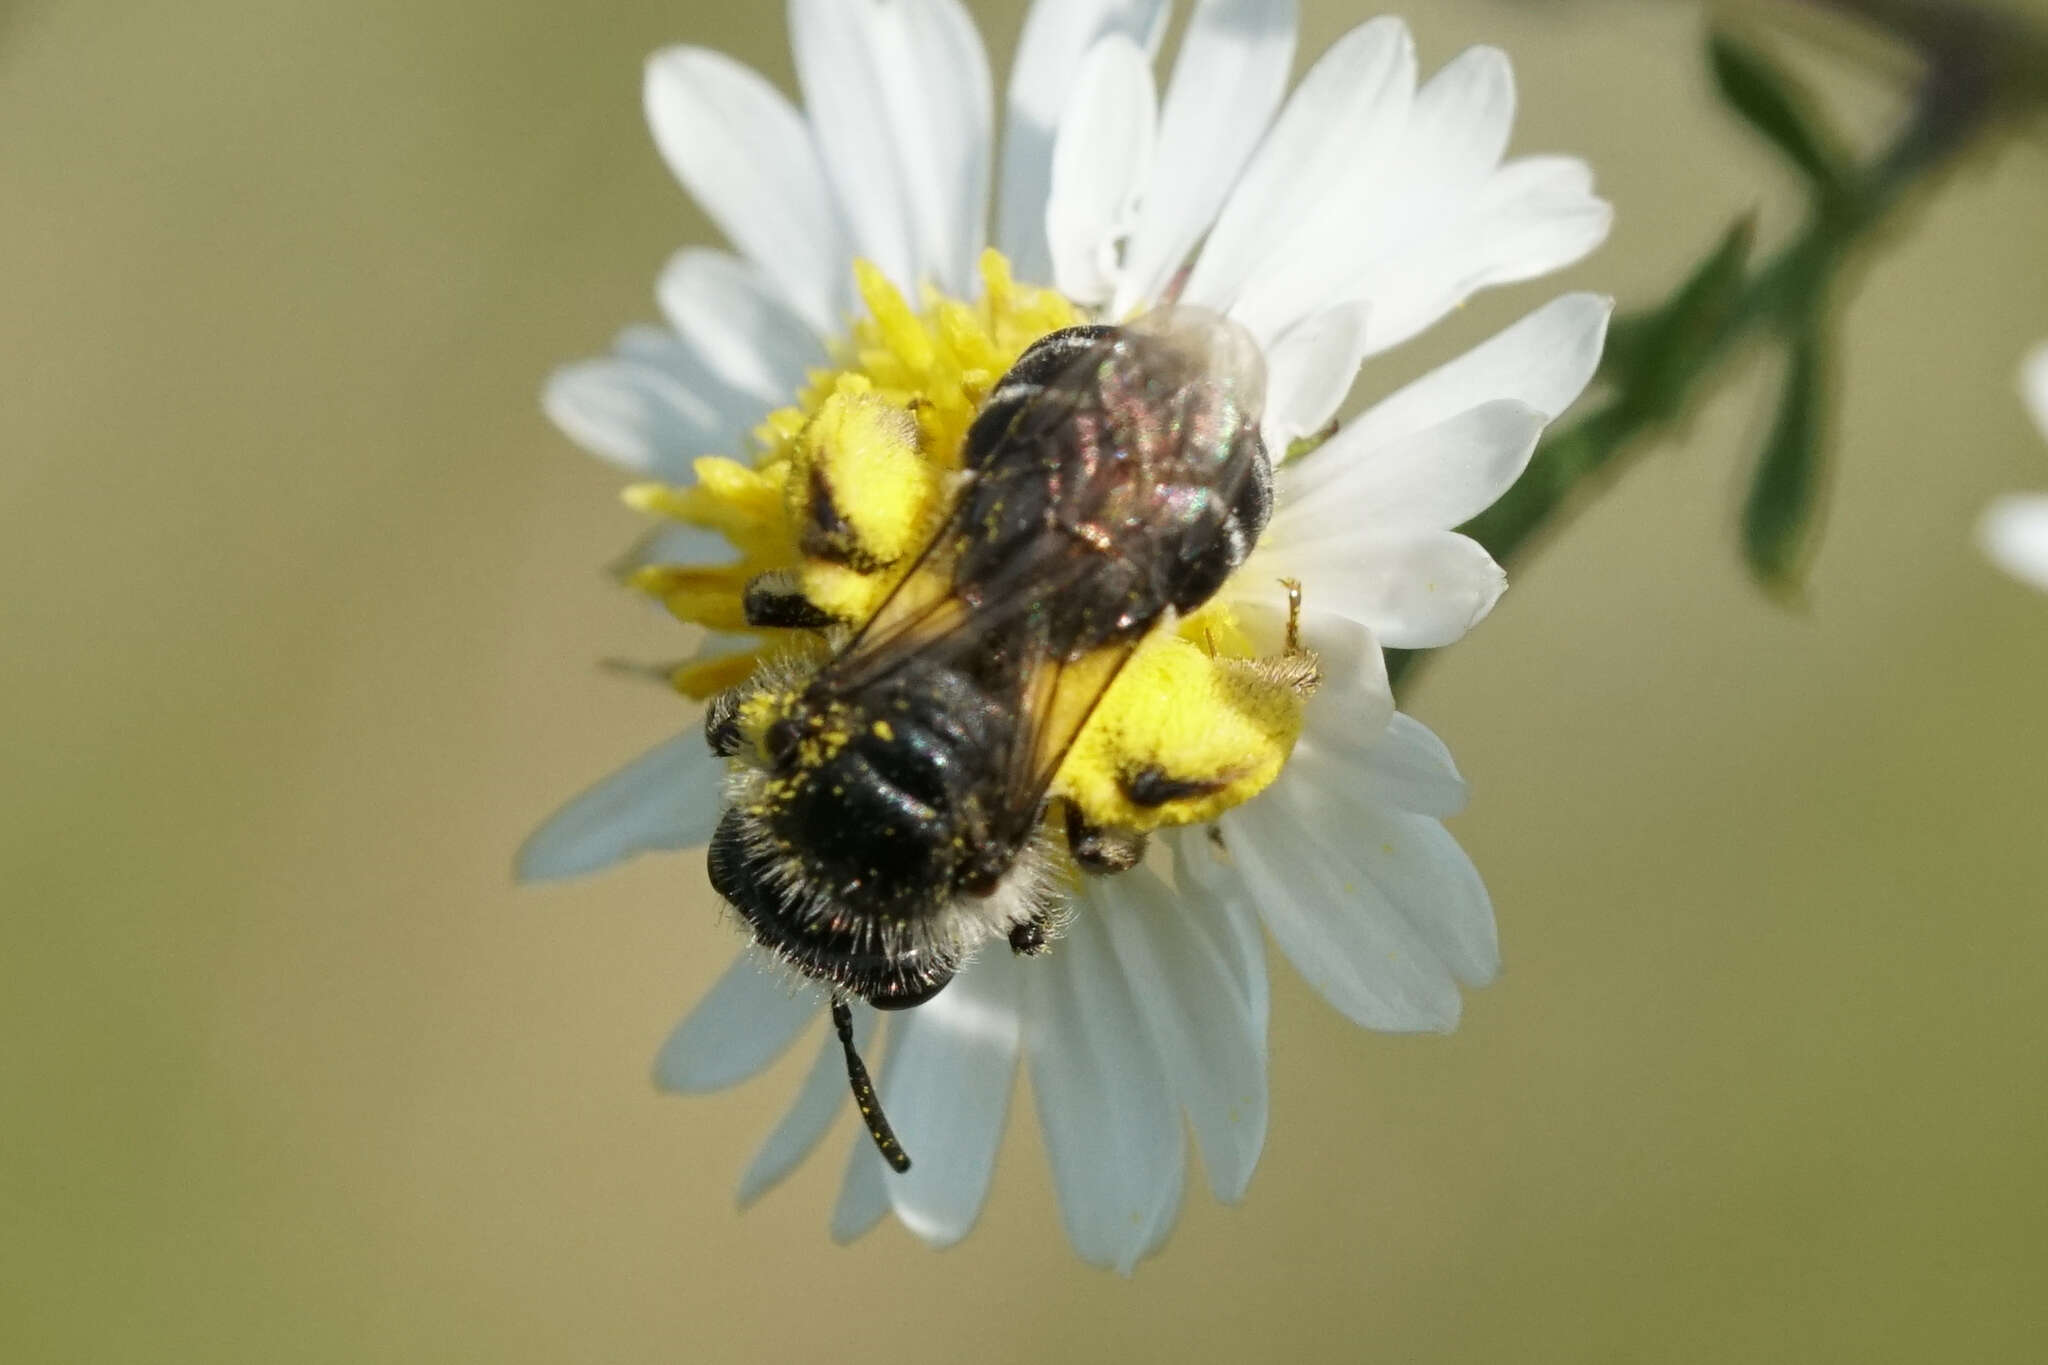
{"x": 848, "y": 485}
{"x": 1217, "y": 726}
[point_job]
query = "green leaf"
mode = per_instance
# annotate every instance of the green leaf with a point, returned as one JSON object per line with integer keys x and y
{"x": 1652, "y": 356}
{"x": 1773, "y": 104}
{"x": 1781, "y": 514}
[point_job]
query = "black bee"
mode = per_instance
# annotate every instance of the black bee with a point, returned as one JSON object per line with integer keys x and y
{"x": 888, "y": 818}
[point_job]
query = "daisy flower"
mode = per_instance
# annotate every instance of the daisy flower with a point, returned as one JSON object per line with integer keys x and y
{"x": 864, "y": 306}
{"x": 2014, "y": 530}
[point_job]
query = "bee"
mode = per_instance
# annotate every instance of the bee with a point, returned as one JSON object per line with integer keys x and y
{"x": 887, "y": 806}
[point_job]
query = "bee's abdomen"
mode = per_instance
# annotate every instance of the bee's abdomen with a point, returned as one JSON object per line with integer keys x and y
{"x": 882, "y": 810}
{"x": 900, "y": 813}
{"x": 851, "y": 953}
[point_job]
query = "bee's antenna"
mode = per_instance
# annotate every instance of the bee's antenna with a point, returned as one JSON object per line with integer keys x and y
{"x": 864, "y": 1092}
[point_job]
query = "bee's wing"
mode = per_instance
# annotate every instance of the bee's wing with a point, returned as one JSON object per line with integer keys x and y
{"x": 1059, "y": 697}
{"x": 1112, "y": 386}
{"x": 1111, "y": 381}
{"x": 1210, "y": 347}
{"x": 926, "y": 610}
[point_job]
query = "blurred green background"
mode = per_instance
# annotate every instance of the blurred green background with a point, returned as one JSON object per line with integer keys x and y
{"x": 302, "y": 603}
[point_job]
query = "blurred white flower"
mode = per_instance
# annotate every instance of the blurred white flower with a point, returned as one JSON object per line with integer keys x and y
{"x": 1333, "y": 223}
{"x": 2014, "y": 529}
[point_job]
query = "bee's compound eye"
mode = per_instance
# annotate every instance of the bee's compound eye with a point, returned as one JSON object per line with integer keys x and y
{"x": 781, "y": 739}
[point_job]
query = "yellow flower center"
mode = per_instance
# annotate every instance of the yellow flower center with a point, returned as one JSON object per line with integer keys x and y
{"x": 1194, "y": 722}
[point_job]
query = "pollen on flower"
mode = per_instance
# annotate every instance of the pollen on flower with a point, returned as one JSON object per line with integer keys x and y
{"x": 851, "y": 481}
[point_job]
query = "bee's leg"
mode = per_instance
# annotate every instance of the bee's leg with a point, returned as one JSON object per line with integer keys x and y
{"x": 1293, "y": 586}
{"x": 1101, "y": 850}
{"x": 773, "y": 599}
{"x": 1032, "y": 937}
{"x": 722, "y": 721}
{"x": 1296, "y": 667}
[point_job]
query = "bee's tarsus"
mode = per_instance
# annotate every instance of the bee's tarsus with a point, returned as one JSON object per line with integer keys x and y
{"x": 1029, "y": 939}
{"x": 722, "y": 722}
{"x": 1102, "y": 850}
{"x": 864, "y": 1097}
{"x": 1293, "y": 586}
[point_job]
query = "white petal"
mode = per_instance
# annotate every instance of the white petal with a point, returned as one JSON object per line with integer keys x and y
{"x": 1309, "y": 370}
{"x": 1407, "y": 768}
{"x": 2034, "y": 386}
{"x": 1459, "y": 127}
{"x": 844, "y": 63}
{"x": 1544, "y": 361}
{"x": 1227, "y": 80}
{"x": 1164, "y": 1215}
{"x": 1297, "y": 849}
{"x": 1355, "y": 697}
{"x": 1354, "y": 97}
{"x": 941, "y": 108}
{"x": 1417, "y": 590}
{"x": 1530, "y": 217}
{"x": 1057, "y": 36}
{"x": 1226, "y": 915}
{"x": 946, "y": 1090}
{"x": 823, "y": 1094}
{"x": 1419, "y": 188}
{"x": 740, "y": 329}
{"x": 2014, "y": 532}
{"x": 1433, "y": 479}
{"x": 1419, "y": 867}
{"x": 1351, "y": 154}
{"x": 863, "y": 1193}
{"x": 1195, "y": 1012}
{"x": 746, "y": 157}
{"x": 668, "y": 798}
{"x": 748, "y": 1019}
{"x": 1099, "y": 162}
{"x": 1112, "y": 1130}
{"x": 636, "y": 415}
